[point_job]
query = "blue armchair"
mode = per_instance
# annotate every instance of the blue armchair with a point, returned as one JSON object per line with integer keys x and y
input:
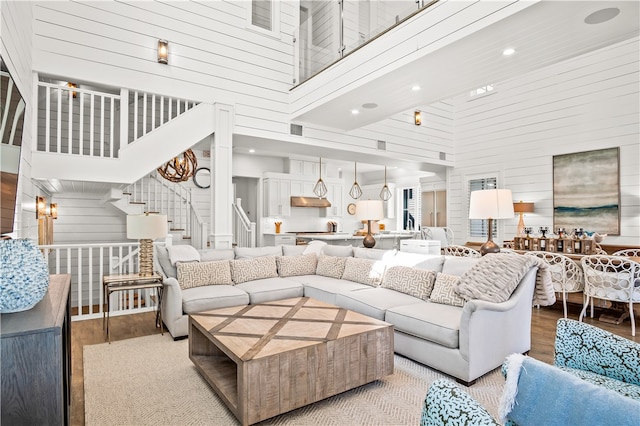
{"x": 595, "y": 381}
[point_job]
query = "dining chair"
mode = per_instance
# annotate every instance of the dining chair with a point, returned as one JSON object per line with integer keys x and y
{"x": 444, "y": 234}
{"x": 566, "y": 274}
{"x": 612, "y": 278}
{"x": 462, "y": 251}
{"x": 628, "y": 253}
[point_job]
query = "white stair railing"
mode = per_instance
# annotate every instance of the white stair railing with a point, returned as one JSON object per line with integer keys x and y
{"x": 98, "y": 123}
{"x": 244, "y": 231}
{"x": 87, "y": 264}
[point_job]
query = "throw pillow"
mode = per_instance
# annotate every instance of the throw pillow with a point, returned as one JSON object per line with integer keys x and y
{"x": 183, "y": 253}
{"x": 414, "y": 282}
{"x": 257, "y": 268}
{"x": 443, "y": 290}
{"x": 293, "y": 250}
{"x": 291, "y": 266}
{"x": 330, "y": 266}
{"x": 363, "y": 271}
{"x": 197, "y": 274}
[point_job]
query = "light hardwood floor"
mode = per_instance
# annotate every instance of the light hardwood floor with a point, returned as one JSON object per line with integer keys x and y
{"x": 129, "y": 326}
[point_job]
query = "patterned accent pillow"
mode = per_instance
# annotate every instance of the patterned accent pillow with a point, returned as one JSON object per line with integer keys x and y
{"x": 443, "y": 290}
{"x": 197, "y": 274}
{"x": 330, "y": 266}
{"x": 414, "y": 282}
{"x": 257, "y": 268}
{"x": 291, "y": 266}
{"x": 363, "y": 271}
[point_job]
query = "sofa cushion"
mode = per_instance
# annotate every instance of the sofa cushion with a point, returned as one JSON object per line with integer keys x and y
{"x": 627, "y": 389}
{"x": 243, "y": 270}
{"x": 443, "y": 290}
{"x": 196, "y": 274}
{"x": 183, "y": 253}
{"x": 363, "y": 271}
{"x": 414, "y": 282}
{"x": 326, "y": 288}
{"x": 250, "y": 252}
{"x": 270, "y": 289}
{"x": 430, "y": 321}
{"x": 341, "y": 251}
{"x": 216, "y": 254}
{"x": 373, "y": 302}
{"x": 289, "y": 250}
{"x": 375, "y": 254}
{"x": 291, "y": 266}
{"x": 199, "y": 299}
{"x": 458, "y": 265}
{"x": 433, "y": 262}
{"x": 162, "y": 254}
{"x": 331, "y": 266}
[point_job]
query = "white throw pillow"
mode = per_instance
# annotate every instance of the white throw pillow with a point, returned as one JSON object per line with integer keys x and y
{"x": 330, "y": 266}
{"x": 363, "y": 271}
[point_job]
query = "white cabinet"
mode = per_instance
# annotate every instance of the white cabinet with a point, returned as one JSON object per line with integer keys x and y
{"x": 277, "y": 197}
{"x": 334, "y": 195}
{"x": 302, "y": 188}
{"x": 306, "y": 168}
{"x": 279, "y": 239}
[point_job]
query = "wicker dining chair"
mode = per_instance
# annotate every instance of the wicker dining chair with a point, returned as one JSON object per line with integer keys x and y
{"x": 566, "y": 275}
{"x": 462, "y": 251}
{"x": 628, "y": 253}
{"x": 612, "y": 278}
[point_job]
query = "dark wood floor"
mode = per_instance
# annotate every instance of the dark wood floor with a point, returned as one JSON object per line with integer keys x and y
{"x": 129, "y": 326}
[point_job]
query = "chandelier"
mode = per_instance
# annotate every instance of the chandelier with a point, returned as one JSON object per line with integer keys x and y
{"x": 180, "y": 168}
{"x": 385, "y": 194}
{"x": 356, "y": 191}
{"x": 320, "y": 189}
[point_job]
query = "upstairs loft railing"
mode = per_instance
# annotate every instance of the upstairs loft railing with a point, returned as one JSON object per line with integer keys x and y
{"x": 317, "y": 45}
{"x": 96, "y": 123}
{"x": 244, "y": 231}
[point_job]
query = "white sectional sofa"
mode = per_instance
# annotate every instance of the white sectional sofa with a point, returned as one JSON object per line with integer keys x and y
{"x": 416, "y": 293}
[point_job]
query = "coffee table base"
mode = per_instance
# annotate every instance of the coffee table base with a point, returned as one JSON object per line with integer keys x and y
{"x": 271, "y": 382}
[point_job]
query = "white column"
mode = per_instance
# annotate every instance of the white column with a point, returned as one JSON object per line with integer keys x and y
{"x": 221, "y": 187}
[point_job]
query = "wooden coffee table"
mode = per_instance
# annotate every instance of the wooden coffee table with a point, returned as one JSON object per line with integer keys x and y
{"x": 270, "y": 358}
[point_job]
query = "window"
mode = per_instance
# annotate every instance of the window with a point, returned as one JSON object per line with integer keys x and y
{"x": 478, "y": 227}
{"x": 263, "y": 15}
{"x": 411, "y": 210}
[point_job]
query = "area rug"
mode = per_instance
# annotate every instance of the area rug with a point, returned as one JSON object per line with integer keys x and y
{"x": 151, "y": 381}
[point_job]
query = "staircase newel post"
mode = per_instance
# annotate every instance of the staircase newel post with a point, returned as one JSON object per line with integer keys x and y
{"x": 124, "y": 118}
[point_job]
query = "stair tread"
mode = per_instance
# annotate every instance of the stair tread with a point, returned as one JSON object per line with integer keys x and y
{"x": 137, "y": 202}
{"x": 176, "y": 229}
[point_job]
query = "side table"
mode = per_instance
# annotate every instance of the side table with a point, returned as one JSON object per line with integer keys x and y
{"x": 125, "y": 282}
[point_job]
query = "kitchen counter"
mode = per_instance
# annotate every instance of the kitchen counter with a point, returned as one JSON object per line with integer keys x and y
{"x": 384, "y": 240}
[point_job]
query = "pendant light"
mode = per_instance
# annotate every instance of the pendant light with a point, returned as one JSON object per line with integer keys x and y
{"x": 320, "y": 189}
{"x": 385, "y": 194}
{"x": 356, "y": 191}
{"x": 180, "y": 168}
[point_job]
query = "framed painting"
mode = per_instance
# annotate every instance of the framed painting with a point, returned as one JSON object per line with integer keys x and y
{"x": 586, "y": 191}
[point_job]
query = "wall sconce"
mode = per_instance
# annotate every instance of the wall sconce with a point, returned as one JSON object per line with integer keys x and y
{"x": 41, "y": 207}
{"x": 73, "y": 86}
{"x": 45, "y": 220}
{"x": 417, "y": 118}
{"x": 163, "y": 51}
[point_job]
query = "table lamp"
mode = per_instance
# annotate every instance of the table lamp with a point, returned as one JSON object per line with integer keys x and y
{"x": 146, "y": 227}
{"x": 522, "y": 208}
{"x": 369, "y": 210}
{"x": 490, "y": 204}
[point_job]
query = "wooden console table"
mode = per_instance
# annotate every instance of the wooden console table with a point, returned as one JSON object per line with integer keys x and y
{"x": 124, "y": 282}
{"x": 36, "y": 360}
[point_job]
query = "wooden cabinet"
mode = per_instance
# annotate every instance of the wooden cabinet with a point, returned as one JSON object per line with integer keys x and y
{"x": 277, "y": 197}
{"x": 36, "y": 360}
{"x": 434, "y": 208}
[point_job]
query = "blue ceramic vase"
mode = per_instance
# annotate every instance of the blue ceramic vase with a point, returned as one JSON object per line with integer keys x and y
{"x": 24, "y": 275}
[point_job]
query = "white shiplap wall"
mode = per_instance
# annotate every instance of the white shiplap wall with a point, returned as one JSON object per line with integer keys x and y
{"x": 586, "y": 103}
{"x": 16, "y": 23}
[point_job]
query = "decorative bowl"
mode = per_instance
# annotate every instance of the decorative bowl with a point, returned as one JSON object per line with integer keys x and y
{"x": 24, "y": 275}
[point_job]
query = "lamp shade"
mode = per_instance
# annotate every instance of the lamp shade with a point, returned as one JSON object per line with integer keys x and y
{"x": 146, "y": 226}
{"x": 523, "y": 207}
{"x": 491, "y": 204}
{"x": 369, "y": 210}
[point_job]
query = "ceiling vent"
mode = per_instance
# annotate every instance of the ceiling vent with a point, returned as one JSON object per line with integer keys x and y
{"x": 296, "y": 129}
{"x": 443, "y": 156}
{"x": 382, "y": 145}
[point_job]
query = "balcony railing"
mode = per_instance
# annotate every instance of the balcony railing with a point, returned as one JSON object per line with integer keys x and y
{"x": 330, "y": 30}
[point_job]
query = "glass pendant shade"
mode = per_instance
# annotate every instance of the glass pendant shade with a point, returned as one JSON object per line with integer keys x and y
{"x": 356, "y": 191}
{"x": 320, "y": 189}
{"x": 385, "y": 194}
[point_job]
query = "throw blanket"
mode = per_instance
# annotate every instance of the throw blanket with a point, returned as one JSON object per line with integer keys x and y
{"x": 496, "y": 276}
{"x": 536, "y": 393}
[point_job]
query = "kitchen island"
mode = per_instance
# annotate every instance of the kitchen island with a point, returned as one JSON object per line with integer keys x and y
{"x": 386, "y": 240}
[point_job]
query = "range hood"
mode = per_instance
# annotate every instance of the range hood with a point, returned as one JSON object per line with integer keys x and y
{"x": 309, "y": 202}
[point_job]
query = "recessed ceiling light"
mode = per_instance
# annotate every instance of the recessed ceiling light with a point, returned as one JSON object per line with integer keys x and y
{"x": 508, "y": 51}
{"x": 602, "y": 15}
{"x": 415, "y": 88}
{"x": 355, "y": 112}
{"x": 251, "y": 151}
{"x": 370, "y": 105}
